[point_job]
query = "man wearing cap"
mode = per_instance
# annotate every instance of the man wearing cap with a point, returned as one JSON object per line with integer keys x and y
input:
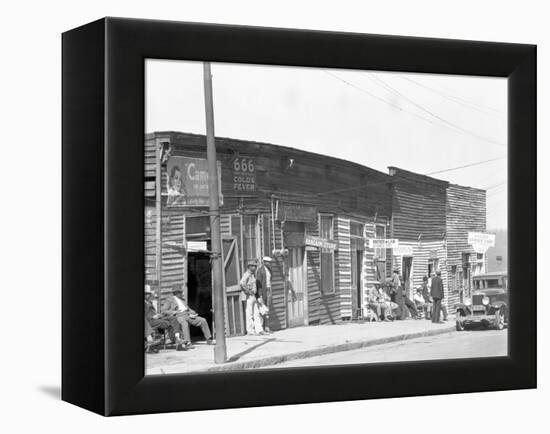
{"x": 263, "y": 287}
{"x": 157, "y": 321}
{"x": 437, "y": 294}
{"x": 252, "y": 310}
{"x": 177, "y": 306}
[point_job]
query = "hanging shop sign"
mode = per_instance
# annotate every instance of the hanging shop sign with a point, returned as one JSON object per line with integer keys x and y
{"x": 294, "y": 212}
{"x": 383, "y": 243}
{"x": 402, "y": 251}
{"x": 188, "y": 182}
{"x": 244, "y": 174}
{"x": 480, "y": 241}
{"x": 322, "y": 243}
{"x": 196, "y": 246}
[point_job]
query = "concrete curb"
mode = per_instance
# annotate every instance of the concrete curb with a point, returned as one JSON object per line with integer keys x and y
{"x": 347, "y": 346}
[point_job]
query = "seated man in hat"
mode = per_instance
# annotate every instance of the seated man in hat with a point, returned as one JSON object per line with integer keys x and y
{"x": 177, "y": 306}
{"x": 157, "y": 321}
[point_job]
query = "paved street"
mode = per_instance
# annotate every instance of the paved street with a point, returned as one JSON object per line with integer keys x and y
{"x": 475, "y": 343}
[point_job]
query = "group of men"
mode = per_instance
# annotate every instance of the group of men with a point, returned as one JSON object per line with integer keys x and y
{"x": 175, "y": 318}
{"x": 429, "y": 297}
{"x": 391, "y": 303}
{"x": 256, "y": 293}
{"x": 255, "y": 285}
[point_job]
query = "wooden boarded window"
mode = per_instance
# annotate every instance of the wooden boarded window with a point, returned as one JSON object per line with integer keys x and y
{"x": 381, "y": 234}
{"x": 267, "y": 234}
{"x": 356, "y": 229}
{"x": 326, "y": 230}
{"x": 250, "y": 251}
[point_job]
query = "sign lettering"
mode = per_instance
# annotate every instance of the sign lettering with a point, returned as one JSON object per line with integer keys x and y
{"x": 244, "y": 174}
{"x": 480, "y": 241}
{"x": 294, "y": 212}
{"x": 320, "y": 242}
{"x": 383, "y": 243}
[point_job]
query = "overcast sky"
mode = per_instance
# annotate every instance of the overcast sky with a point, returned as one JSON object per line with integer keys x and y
{"x": 420, "y": 122}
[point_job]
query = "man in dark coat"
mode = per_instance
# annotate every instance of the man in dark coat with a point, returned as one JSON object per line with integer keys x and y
{"x": 437, "y": 294}
{"x": 263, "y": 288}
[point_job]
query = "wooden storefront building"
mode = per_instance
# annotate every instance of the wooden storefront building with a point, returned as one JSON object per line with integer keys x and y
{"x": 311, "y": 213}
{"x": 314, "y": 215}
{"x": 432, "y": 219}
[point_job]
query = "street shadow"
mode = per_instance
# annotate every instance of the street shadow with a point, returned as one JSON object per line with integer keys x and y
{"x": 52, "y": 391}
{"x": 249, "y": 350}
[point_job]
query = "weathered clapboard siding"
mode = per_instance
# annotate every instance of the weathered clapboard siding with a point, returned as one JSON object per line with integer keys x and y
{"x": 343, "y": 265}
{"x": 418, "y": 206}
{"x": 173, "y": 256}
{"x": 275, "y": 175}
{"x": 313, "y": 263}
{"x": 225, "y": 224}
{"x": 277, "y": 316}
{"x": 466, "y": 212}
{"x": 423, "y": 252}
{"x": 369, "y": 267}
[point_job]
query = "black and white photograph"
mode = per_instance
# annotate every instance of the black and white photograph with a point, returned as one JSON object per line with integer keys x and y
{"x": 299, "y": 217}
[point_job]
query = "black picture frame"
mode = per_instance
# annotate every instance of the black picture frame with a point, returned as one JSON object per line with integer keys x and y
{"x": 103, "y": 261}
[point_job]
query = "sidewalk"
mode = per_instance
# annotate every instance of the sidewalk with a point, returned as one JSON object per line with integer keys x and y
{"x": 244, "y": 352}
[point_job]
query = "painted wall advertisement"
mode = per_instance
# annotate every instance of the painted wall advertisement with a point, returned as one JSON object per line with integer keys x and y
{"x": 188, "y": 182}
{"x": 244, "y": 174}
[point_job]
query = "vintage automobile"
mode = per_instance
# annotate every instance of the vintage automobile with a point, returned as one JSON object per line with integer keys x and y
{"x": 488, "y": 305}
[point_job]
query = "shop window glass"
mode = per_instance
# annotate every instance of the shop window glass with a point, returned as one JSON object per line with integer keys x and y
{"x": 249, "y": 239}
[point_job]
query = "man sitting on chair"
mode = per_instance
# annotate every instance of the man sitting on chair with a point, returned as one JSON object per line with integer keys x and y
{"x": 177, "y": 306}
{"x": 164, "y": 322}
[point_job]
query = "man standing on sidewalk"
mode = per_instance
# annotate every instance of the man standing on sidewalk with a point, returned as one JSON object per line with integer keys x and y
{"x": 252, "y": 310}
{"x": 437, "y": 294}
{"x": 263, "y": 286}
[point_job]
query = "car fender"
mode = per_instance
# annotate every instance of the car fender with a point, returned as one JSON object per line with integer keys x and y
{"x": 493, "y": 307}
{"x": 462, "y": 307}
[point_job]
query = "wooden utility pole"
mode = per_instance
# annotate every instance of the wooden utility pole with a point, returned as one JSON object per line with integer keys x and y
{"x": 220, "y": 352}
{"x": 158, "y": 212}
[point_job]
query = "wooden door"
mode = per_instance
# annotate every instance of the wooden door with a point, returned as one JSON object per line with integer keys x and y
{"x": 234, "y": 312}
{"x": 296, "y": 287}
{"x": 406, "y": 272}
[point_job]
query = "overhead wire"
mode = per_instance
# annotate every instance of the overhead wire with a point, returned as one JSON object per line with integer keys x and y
{"x": 456, "y": 99}
{"x": 429, "y": 112}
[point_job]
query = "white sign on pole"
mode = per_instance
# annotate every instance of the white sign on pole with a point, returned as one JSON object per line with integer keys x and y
{"x": 383, "y": 243}
{"x": 480, "y": 241}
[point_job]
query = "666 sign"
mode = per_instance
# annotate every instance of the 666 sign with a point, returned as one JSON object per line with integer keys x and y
{"x": 244, "y": 174}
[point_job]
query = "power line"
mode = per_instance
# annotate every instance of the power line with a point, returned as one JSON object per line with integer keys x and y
{"x": 465, "y": 166}
{"x": 457, "y": 100}
{"x": 446, "y": 123}
{"x": 441, "y": 119}
{"x": 360, "y": 89}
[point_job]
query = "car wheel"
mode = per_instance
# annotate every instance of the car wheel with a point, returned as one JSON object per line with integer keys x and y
{"x": 460, "y": 327}
{"x": 499, "y": 319}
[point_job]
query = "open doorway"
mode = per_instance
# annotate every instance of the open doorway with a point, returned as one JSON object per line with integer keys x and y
{"x": 199, "y": 287}
{"x": 406, "y": 271}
